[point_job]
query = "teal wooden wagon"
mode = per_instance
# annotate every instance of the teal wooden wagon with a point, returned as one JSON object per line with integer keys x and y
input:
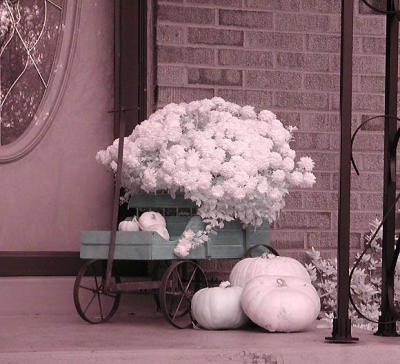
{"x": 181, "y": 279}
{"x": 98, "y": 287}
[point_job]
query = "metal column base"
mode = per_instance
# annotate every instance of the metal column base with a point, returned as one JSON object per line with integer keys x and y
{"x": 341, "y": 338}
{"x": 386, "y": 329}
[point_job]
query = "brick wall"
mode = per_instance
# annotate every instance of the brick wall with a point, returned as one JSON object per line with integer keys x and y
{"x": 283, "y": 55}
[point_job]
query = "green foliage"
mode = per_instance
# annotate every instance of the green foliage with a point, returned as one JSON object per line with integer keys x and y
{"x": 365, "y": 284}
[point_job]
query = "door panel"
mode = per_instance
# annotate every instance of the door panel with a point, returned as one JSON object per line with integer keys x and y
{"x": 51, "y": 194}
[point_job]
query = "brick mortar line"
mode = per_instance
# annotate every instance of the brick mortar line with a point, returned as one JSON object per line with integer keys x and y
{"x": 311, "y": 210}
{"x": 316, "y": 190}
{"x": 357, "y": 36}
{"x": 305, "y": 12}
{"x": 202, "y": 26}
{"x": 312, "y": 190}
{"x": 273, "y": 90}
{"x": 331, "y": 73}
{"x": 209, "y": 66}
{"x": 259, "y": 8}
{"x": 245, "y": 8}
{"x": 331, "y": 152}
{"x": 375, "y": 55}
{"x": 308, "y": 51}
{"x": 274, "y": 51}
{"x": 205, "y": 46}
{"x": 188, "y": 44}
{"x": 246, "y": 28}
{"x": 202, "y": 6}
{"x": 368, "y": 211}
{"x": 251, "y": 29}
{"x": 299, "y": 90}
{"x": 363, "y": 132}
{"x": 197, "y": 86}
{"x": 377, "y": 153}
{"x": 277, "y": 69}
{"x": 270, "y": 107}
{"x": 284, "y": 108}
{"x": 285, "y": 230}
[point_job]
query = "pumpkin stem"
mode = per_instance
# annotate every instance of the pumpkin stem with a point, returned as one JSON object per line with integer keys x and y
{"x": 267, "y": 256}
{"x": 281, "y": 282}
{"x": 225, "y": 284}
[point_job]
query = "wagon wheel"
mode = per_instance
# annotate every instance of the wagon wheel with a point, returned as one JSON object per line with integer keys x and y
{"x": 249, "y": 251}
{"x": 93, "y": 304}
{"x": 179, "y": 283}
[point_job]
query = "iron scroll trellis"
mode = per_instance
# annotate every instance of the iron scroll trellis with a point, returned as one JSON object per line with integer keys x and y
{"x": 341, "y": 332}
{"x": 392, "y": 175}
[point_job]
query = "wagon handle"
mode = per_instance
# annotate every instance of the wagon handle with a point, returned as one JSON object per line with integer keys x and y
{"x": 117, "y": 189}
{"x": 270, "y": 248}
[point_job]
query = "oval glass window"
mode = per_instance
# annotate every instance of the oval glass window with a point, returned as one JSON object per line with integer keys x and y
{"x": 37, "y": 38}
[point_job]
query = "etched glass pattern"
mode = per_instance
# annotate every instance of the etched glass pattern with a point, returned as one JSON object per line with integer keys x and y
{"x": 29, "y": 33}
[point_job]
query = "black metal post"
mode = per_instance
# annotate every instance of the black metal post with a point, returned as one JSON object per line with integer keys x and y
{"x": 341, "y": 332}
{"x": 387, "y": 323}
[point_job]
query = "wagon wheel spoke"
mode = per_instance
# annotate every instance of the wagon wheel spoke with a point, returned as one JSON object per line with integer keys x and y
{"x": 88, "y": 288}
{"x": 192, "y": 276}
{"x": 178, "y": 307}
{"x": 89, "y": 283}
{"x": 179, "y": 279}
{"x": 113, "y": 295}
{"x": 171, "y": 306}
{"x": 100, "y": 306}
{"x": 174, "y": 293}
{"x": 190, "y": 281}
{"x": 91, "y": 300}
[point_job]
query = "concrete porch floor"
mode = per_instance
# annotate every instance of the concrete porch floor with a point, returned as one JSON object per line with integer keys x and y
{"x": 38, "y": 324}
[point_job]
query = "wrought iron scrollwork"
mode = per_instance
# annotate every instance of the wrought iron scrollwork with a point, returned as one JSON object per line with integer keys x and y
{"x": 395, "y": 6}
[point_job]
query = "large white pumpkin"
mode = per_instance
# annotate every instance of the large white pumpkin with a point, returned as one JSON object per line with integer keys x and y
{"x": 154, "y": 221}
{"x": 277, "y": 303}
{"x": 270, "y": 264}
{"x": 218, "y": 307}
{"x": 150, "y": 219}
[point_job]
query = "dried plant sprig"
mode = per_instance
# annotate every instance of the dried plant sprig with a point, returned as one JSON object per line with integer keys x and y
{"x": 365, "y": 285}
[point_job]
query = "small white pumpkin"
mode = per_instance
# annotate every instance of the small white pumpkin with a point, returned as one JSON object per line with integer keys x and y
{"x": 249, "y": 268}
{"x": 151, "y": 218}
{"x": 129, "y": 225}
{"x": 277, "y": 303}
{"x": 218, "y": 307}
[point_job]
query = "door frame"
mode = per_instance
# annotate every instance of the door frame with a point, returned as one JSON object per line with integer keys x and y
{"x": 67, "y": 263}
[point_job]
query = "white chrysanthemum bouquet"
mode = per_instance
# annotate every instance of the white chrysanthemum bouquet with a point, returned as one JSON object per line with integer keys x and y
{"x": 232, "y": 162}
